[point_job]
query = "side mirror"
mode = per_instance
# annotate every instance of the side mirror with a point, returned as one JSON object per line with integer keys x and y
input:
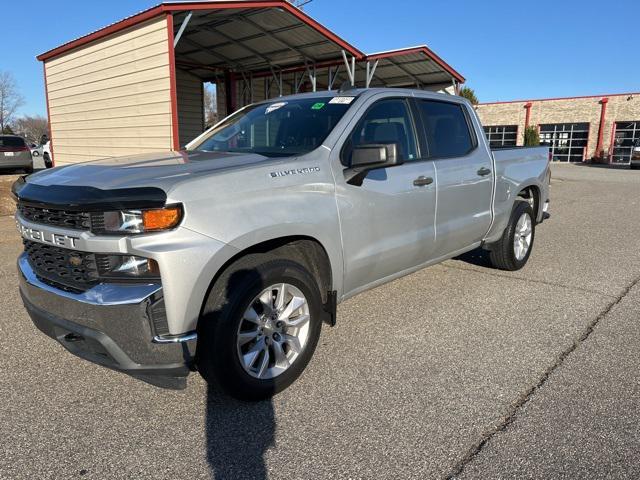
{"x": 365, "y": 158}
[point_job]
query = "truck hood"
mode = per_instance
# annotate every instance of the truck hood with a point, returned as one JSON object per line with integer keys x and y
{"x": 162, "y": 170}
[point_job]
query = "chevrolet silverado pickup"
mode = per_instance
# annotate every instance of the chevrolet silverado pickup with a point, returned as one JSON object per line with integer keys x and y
{"x": 228, "y": 256}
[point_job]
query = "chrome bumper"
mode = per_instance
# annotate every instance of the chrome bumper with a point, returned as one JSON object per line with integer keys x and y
{"x": 109, "y": 325}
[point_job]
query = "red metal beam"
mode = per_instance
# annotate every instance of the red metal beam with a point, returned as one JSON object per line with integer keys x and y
{"x": 603, "y": 117}
{"x": 527, "y": 119}
{"x": 175, "y": 127}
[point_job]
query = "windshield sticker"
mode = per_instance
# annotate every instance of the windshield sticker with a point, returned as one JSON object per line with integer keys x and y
{"x": 274, "y": 107}
{"x": 342, "y": 100}
{"x": 318, "y": 106}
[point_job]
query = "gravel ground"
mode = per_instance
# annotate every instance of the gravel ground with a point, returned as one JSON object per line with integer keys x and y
{"x": 7, "y": 204}
{"x": 457, "y": 370}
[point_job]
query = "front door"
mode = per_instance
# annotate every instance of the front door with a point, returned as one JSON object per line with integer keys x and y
{"x": 388, "y": 221}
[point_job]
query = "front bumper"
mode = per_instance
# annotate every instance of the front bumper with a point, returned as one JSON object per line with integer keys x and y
{"x": 109, "y": 325}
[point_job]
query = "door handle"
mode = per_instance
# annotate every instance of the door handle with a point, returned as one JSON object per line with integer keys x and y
{"x": 423, "y": 181}
{"x": 483, "y": 172}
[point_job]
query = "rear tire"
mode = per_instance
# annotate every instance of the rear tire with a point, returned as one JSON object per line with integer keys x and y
{"x": 47, "y": 160}
{"x": 237, "y": 321}
{"x": 512, "y": 251}
{"x": 29, "y": 170}
{"x": 634, "y": 167}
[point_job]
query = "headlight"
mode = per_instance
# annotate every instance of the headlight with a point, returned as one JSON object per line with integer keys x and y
{"x": 127, "y": 267}
{"x": 142, "y": 221}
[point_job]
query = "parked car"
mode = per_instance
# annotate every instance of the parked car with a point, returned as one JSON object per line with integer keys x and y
{"x": 46, "y": 155}
{"x": 635, "y": 155}
{"x": 228, "y": 256}
{"x": 15, "y": 153}
{"x": 36, "y": 150}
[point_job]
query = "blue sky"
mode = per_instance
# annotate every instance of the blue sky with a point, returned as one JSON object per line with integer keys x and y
{"x": 506, "y": 49}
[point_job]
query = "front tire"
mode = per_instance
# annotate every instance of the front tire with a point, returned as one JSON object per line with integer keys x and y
{"x": 512, "y": 251}
{"x": 260, "y": 327}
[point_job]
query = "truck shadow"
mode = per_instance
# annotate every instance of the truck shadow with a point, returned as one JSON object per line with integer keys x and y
{"x": 238, "y": 434}
{"x": 479, "y": 257}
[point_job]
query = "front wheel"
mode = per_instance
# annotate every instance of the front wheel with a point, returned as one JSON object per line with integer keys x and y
{"x": 260, "y": 328}
{"x": 512, "y": 251}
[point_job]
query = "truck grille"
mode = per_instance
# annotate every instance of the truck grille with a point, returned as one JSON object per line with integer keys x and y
{"x": 65, "y": 269}
{"x": 56, "y": 218}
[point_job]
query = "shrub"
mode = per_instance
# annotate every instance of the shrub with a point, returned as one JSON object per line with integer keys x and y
{"x": 531, "y": 136}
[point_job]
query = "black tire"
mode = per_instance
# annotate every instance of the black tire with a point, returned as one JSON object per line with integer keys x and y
{"x": 47, "y": 160}
{"x": 216, "y": 355}
{"x": 502, "y": 253}
{"x": 29, "y": 170}
{"x": 634, "y": 167}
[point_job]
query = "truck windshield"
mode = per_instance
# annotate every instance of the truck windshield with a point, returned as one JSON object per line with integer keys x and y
{"x": 279, "y": 128}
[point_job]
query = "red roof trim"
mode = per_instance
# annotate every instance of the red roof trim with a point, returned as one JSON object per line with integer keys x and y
{"x": 103, "y": 32}
{"x": 203, "y": 5}
{"x": 561, "y": 98}
{"x": 422, "y": 49}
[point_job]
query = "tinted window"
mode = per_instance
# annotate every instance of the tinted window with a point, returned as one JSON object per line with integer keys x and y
{"x": 11, "y": 142}
{"x": 388, "y": 121}
{"x": 446, "y": 128}
{"x": 279, "y": 128}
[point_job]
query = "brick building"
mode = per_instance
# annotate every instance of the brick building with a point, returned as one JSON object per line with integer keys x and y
{"x": 601, "y": 128}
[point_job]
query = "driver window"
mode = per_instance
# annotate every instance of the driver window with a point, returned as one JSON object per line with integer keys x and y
{"x": 388, "y": 121}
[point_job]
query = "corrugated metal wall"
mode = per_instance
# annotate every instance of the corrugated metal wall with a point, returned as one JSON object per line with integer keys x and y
{"x": 112, "y": 97}
{"x": 190, "y": 106}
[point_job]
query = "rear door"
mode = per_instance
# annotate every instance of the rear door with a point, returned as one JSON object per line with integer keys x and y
{"x": 464, "y": 173}
{"x": 387, "y": 222}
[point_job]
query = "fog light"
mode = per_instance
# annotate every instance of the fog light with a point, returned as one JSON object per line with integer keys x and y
{"x": 127, "y": 266}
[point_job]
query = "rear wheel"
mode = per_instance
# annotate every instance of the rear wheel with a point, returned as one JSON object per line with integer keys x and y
{"x": 47, "y": 160}
{"x": 260, "y": 327}
{"x": 512, "y": 251}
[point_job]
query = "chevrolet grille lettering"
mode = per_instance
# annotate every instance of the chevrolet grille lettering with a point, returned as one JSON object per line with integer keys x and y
{"x": 44, "y": 236}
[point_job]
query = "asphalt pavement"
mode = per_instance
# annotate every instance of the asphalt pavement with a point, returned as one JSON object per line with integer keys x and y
{"x": 455, "y": 371}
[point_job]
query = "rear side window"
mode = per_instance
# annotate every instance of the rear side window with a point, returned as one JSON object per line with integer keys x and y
{"x": 446, "y": 128}
{"x": 11, "y": 142}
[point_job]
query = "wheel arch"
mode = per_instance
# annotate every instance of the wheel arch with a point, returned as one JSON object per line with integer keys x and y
{"x": 306, "y": 250}
{"x": 532, "y": 194}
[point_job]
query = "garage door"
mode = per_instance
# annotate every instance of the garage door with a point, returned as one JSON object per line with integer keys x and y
{"x": 501, "y": 135}
{"x": 627, "y": 135}
{"x": 568, "y": 141}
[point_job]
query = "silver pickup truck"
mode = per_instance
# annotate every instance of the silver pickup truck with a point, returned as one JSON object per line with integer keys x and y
{"x": 228, "y": 256}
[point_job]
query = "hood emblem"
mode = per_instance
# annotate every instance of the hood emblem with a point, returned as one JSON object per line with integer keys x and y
{"x": 75, "y": 261}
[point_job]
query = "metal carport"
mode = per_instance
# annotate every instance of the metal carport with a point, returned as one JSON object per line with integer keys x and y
{"x": 137, "y": 85}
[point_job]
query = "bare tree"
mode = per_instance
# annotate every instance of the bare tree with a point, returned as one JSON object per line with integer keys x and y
{"x": 210, "y": 106}
{"x": 10, "y": 99}
{"x": 32, "y": 128}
